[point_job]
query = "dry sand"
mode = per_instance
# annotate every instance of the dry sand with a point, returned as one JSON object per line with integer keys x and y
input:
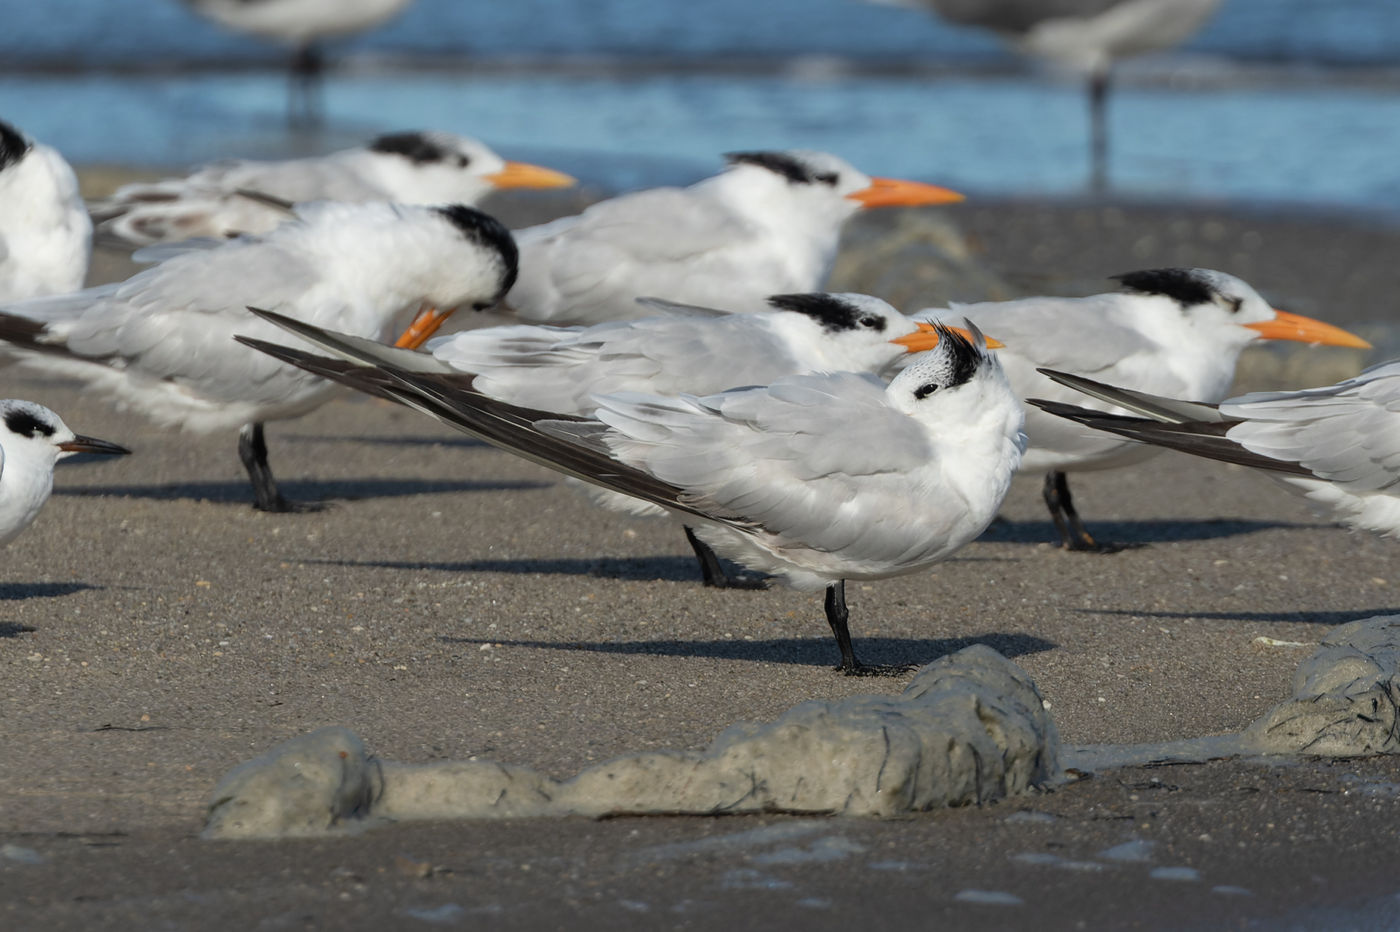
{"x": 458, "y": 603}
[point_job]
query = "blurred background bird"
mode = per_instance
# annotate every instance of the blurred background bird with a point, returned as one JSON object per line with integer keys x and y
{"x": 1084, "y": 36}
{"x": 303, "y": 24}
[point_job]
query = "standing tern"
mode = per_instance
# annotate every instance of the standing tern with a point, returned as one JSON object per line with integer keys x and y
{"x": 405, "y": 168}
{"x": 1084, "y": 36}
{"x": 816, "y": 478}
{"x": 1338, "y": 445}
{"x": 302, "y": 24}
{"x": 32, "y": 440}
{"x": 45, "y": 233}
{"x": 1171, "y": 331}
{"x": 161, "y": 341}
{"x": 767, "y": 225}
{"x": 693, "y": 350}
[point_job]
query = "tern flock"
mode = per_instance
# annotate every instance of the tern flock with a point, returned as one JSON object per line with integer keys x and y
{"x": 672, "y": 350}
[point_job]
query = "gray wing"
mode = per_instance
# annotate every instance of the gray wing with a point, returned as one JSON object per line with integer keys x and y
{"x": 175, "y": 321}
{"x": 1347, "y": 433}
{"x": 594, "y": 266}
{"x": 1079, "y": 335}
{"x": 562, "y": 369}
{"x": 789, "y": 457}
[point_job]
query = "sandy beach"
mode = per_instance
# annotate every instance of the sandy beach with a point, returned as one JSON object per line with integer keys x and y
{"x": 457, "y": 603}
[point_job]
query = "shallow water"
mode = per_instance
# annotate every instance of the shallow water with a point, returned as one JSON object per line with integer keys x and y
{"x": 146, "y": 83}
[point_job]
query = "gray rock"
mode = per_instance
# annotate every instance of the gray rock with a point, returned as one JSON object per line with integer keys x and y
{"x": 970, "y": 728}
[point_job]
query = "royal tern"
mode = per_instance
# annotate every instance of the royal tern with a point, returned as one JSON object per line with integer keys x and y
{"x": 1084, "y": 36}
{"x": 301, "y": 24}
{"x": 767, "y": 225}
{"x": 1338, "y": 445}
{"x": 405, "y": 168}
{"x": 698, "y": 351}
{"x": 32, "y": 440}
{"x": 1170, "y": 331}
{"x": 816, "y": 478}
{"x": 45, "y": 233}
{"x": 161, "y": 342}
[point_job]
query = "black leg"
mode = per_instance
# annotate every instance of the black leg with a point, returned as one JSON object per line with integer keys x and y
{"x": 304, "y": 96}
{"x": 837, "y": 616}
{"x": 712, "y": 571}
{"x": 1073, "y": 534}
{"x": 252, "y": 450}
{"x": 1098, "y": 130}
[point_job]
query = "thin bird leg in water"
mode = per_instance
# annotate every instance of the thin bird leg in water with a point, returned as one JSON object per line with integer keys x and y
{"x": 712, "y": 571}
{"x": 1098, "y": 129}
{"x": 252, "y": 450}
{"x": 304, "y": 108}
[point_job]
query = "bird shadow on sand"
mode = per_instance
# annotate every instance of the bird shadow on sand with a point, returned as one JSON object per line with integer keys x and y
{"x": 1320, "y": 618}
{"x": 1134, "y": 534}
{"x": 447, "y": 440}
{"x": 810, "y": 652}
{"x": 328, "y": 490}
{"x": 18, "y": 592}
{"x": 670, "y": 569}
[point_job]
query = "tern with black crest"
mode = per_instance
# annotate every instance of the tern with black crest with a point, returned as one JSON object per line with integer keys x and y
{"x": 162, "y": 341}
{"x": 769, "y": 224}
{"x": 815, "y": 478}
{"x": 242, "y": 195}
{"x": 1175, "y": 332}
{"x": 684, "y": 349}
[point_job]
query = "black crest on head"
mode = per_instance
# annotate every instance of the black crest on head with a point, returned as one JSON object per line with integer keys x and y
{"x": 1185, "y": 286}
{"x": 963, "y": 357}
{"x": 416, "y": 147}
{"x": 13, "y": 145}
{"x": 831, "y": 312}
{"x": 784, "y": 165}
{"x": 25, "y": 424}
{"x": 488, "y": 232}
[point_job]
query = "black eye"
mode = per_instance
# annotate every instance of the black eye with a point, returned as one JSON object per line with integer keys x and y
{"x": 829, "y": 178}
{"x": 872, "y": 323}
{"x": 463, "y": 161}
{"x": 1235, "y": 304}
{"x": 926, "y": 389}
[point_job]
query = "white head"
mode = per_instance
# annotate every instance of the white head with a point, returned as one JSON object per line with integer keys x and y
{"x": 32, "y": 439}
{"x": 483, "y": 259}
{"x": 812, "y": 187}
{"x": 1226, "y": 311}
{"x": 441, "y": 168}
{"x": 844, "y": 332}
{"x": 958, "y": 387}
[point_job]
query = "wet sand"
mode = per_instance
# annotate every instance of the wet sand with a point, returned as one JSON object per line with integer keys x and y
{"x": 456, "y": 603}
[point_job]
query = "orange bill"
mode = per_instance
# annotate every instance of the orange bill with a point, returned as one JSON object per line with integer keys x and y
{"x": 525, "y": 175}
{"x": 1286, "y": 326}
{"x": 424, "y": 325}
{"x": 892, "y": 192}
{"x": 926, "y": 338}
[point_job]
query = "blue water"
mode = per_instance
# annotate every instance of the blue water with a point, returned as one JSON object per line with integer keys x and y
{"x": 1279, "y": 101}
